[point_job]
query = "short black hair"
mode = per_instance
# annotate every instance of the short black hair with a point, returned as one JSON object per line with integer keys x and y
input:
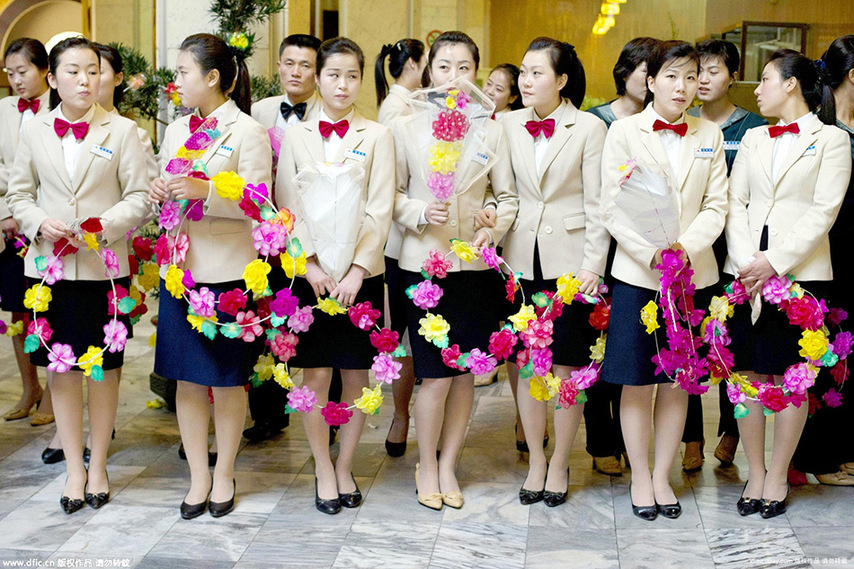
{"x": 31, "y": 49}
{"x": 723, "y": 49}
{"x": 299, "y": 40}
{"x": 112, "y": 56}
{"x": 634, "y": 53}
{"x": 665, "y": 51}
{"x": 340, "y": 46}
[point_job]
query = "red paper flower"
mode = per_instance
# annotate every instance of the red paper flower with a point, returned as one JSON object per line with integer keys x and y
{"x": 134, "y": 265}
{"x": 143, "y": 248}
{"x": 840, "y": 373}
{"x": 450, "y": 357}
{"x": 336, "y": 414}
{"x": 162, "y": 250}
{"x": 363, "y": 315}
{"x": 92, "y": 225}
{"x": 250, "y": 208}
{"x": 385, "y": 340}
{"x": 511, "y": 287}
{"x": 771, "y": 397}
{"x": 232, "y": 301}
{"x": 600, "y": 316}
{"x": 62, "y": 248}
{"x": 501, "y": 343}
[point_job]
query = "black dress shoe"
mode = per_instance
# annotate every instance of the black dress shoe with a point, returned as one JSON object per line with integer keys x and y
{"x": 528, "y": 497}
{"x": 773, "y": 508}
{"x": 353, "y": 499}
{"x": 747, "y": 506}
{"x": 671, "y": 511}
{"x": 52, "y": 455}
{"x": 394, "y": 450}
{"x": 647, "y": 513}
{"x": 87, "y": 454}
{"x": 219, "y": 509}
{"x": 522, "y": 446}
{"x": 190, "y": 511}
{"x": 553, "y": 499}
{"x": 325, "y": 506}
{"x": 97, "y": 500}
{"x": 262, "y": 431}
{"x": 69, "y": 505}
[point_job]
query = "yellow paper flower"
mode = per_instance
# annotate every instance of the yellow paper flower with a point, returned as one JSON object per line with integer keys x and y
{"x": 444, "y": 156}
{"x": 91, "y": 358}
{"x": 813, "y": 344}
{"x": 720, "y": 308}
{"x": 292, "y": 265}
{"x": 450, "y": 102}
{"x": 796, "y": 290}
{"x": 264, "y": 367}
{"x": 148, "y": 277}
{"x": 154, "y": 404}
{"x": 567, "y": 287}
{"x": 520, "y": 319}
{"x": 649, "y": 316}
{"x": 15, "y": 328}
{"x": 229, "y": 185}
{"x": 238, "y": 40}
{"x": 91, "y": 241}
{"x": 433, "y": 327}
{"x": 597, "y": 351}
{"x": 463, "y": 250}
{"x": 255, "y": 276}
{"x": 538, "y": 389}
{"x": 38, "y": 297}
{"x": 175, "y": 281}
{"x": 281, "y": 376}
{"x": 331, "y": 306}
{"x": 196, "y": 321}
{"x": 370, "y": 400}
{"x": 188, "y": 154}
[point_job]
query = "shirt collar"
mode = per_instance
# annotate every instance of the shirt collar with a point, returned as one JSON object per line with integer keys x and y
{"x": 87, "y": 118}
{"x": 348, "y": 118}
{"x": 656, "y": 116}
{"x": 801, "y": 121}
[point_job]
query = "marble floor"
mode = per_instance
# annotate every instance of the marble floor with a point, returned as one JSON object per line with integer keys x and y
{"x": 275, "y": 523}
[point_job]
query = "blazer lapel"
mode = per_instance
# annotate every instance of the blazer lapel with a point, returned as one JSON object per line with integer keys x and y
{"x": 526, "y": 144}
{"x": 228, "y": 117}
{"x": 686, "y": 152}
{"x": 97, "y": 134}
{"x": 766, "y": 155}
{"x": 562, "y": 134}
{"x": 314, "y": 142}
{"x": 354, "y": 136}
{"x": 802, "y": 142}
{"x": 53, "y": 148}
{"x": 13, "y": 123}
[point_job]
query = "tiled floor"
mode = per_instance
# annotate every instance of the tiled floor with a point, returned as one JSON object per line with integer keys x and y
{"x": 275, "y": 523}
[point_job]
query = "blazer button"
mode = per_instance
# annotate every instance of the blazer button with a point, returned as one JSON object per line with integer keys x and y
{"x": 772, "y": 232}
{"x": 548, "y": 230}
{"x": 540, "y": 205}
{"x": 70, "y": 201}
{"x": 453, "y": 223}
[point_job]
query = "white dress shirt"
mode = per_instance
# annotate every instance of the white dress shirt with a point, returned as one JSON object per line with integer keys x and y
{"x": 70, "y": 144}
{"x": 541, "y": 143}
{"x": 332, "y": 145}
{"x": 671, "y": 142}
{"x": 782, "y": 145}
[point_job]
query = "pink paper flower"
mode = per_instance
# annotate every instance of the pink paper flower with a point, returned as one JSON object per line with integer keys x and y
{"x": 776, "y": 289}
{"x": 426, "y": 295}
{"x": 385, "y": 340}
{"x": 435, "y": 264}
{"x": 61, "y": 358}
{"x": 162, "y": 250}
{"x": 542, "y": 360}
{"x": 451, "y": 355}
{"x": 441, "y": 185}
{"x": 180, "y": 246}
{"x": 842, "y": 344}
{"x": 480, "y": 363}
{"x": 111, "y": 262}
{"x": 232, "y": 301}
{"x": 258, "y": 193}
{"x": 567, "y": 393}
{"x": 285, "y": 303}
{"x": 491, "y": 258}
{"x": 170, "y": 216}
{"x": 41, "y": 328}
{"x": 113, "y": 299}
{"x": 363, "y": 316}
{"x": 202, "y": 302}
{"x": 501, "y": 343}
{"x": 585, "y": 377}
{"x": 250, "y": 326}
{"x": 54, "y": 271}
{"x": 301, "y": 319}
{"x": 450, "y": 125}
{"x": 115, "y": 336}
{"x": 269, "y": 238}
{"x": 734, "y": 394}
{"x": 195, "y": 210}
{"x": 284, "y": 346}
{"x": 385, "y": 368}
{"x": 187, "y": 279}
{"x": 832, "y": 398}
{"x": 538, "y": 334}
{"x": 302, "y": 399}
{"x": 798, "y": 378}
{"x": 336, "y": 414}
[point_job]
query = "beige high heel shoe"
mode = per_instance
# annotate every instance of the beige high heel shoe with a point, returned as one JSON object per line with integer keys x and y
{"x": 433, "y": 501}
{"x": 453, "y": 499}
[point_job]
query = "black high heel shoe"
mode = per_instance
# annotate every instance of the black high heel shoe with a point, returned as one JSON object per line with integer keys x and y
{"x": 182, "y": 454}
{"x": 70, "y": 505}
{"x": 353, "y": 499}
{"x": 773, "y": 508}
{"x": 394, "y": 450}
{"x": 219, "y": 509}
{"x": 647, "y": 513}
{"x": 190, "y": 511}
{"x": 553, "y": 499}
{"x": 52, "y": 455}
{"x": 747, "y": 506}
{"x": 528, "y": 497}
{"x": 330, "y": 507}
{"x": 671, "y": 511}
{"x": 97, "y": 500}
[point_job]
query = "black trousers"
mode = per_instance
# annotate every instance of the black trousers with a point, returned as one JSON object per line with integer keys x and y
{"x": 267, "y": 401}
{"x": 826, "y": 441}
{"x": 727, "y": 424}
{"x": 602, "y": 418}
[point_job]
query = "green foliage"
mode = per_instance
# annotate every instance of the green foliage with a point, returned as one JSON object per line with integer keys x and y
{"x": 237, "y": 16}
{"x": 263, "y": 87}
{"x": 143, "y": 84}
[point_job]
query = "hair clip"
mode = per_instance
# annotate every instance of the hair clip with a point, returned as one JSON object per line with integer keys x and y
{"x": 820, "y": 64}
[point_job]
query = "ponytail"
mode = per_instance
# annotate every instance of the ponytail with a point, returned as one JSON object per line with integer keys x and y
{"x": 241, "y": 94}
{"x": 564, "y": 61}
{"x": 398, "y": 55}
{"x": 212, "y": 52}
{"x": 813, "y": 80}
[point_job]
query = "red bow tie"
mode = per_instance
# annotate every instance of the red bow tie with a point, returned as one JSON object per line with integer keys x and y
{"x": 547, "y": 127}
{"x": 679, "y": 129}
{"x": 195, "y": 122}
{"x": 340, "y": 128}
{"x": 775, "y": 131}
{"x": 61, "y": 128}
{"x": 33, "y": 105}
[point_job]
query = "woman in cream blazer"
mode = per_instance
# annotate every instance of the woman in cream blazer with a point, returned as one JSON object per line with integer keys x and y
{"x": 557, "y": 231}
{"x": 444, "y": 402}
{"x": 26, "y": 65}
{"x": 220, "y": 247}
{"x": 96, "y": 169}
{"x": 786, "y": 188}
{"x": 693, "y": 162}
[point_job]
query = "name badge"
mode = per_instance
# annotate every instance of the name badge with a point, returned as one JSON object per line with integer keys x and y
{"x": 102, "y": 152}
{"x": 704, "y": 152}
{"x": 810, "y": 151}
{"x": 224, "y": 150}
{"x": 481, "y": 158}
{"x": 355, "y": 155}
{"x": 731, "y": 144}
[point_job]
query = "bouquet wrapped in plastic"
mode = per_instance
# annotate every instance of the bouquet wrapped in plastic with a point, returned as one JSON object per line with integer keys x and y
{"x": 448, "y": 130}
{"x": 648, "y": 204}
{"x": 330, "y": 196}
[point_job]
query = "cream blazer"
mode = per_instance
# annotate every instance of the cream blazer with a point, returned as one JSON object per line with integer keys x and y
{"x": 413, "y": 195}
{"x": 701, "y": 196}
{"x": 10, "y": 126}
{"x": 396, "y": 105}
{"x": 560, "y": 209}
{"x": 266, "y": 111}
{"x": 303, "y": 145}
{"x": 799, "y": 209}
{"x": 221, "y": 242}
{"x": 114, "y": 188}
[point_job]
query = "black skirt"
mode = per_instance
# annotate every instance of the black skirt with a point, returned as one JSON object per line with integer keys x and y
{"x": 184, "y": 354}
{"x": 466, "y": 306}
{"x": 629, "y": 350}
{"x": 77, "y": 314}
{"x": 13, "y": 284}
{"x": 333, "y": 341}
{"x": 397, "y": 298}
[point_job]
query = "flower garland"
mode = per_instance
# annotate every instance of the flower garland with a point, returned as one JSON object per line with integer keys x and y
{"x": 532, "y": 325}
{"x": 15, "y": 328}
{"x": 680, "y": 361}
{"x": 449, "y": 130}
{"x": 38, "y": 297}
{"x": 803, "y": 310}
